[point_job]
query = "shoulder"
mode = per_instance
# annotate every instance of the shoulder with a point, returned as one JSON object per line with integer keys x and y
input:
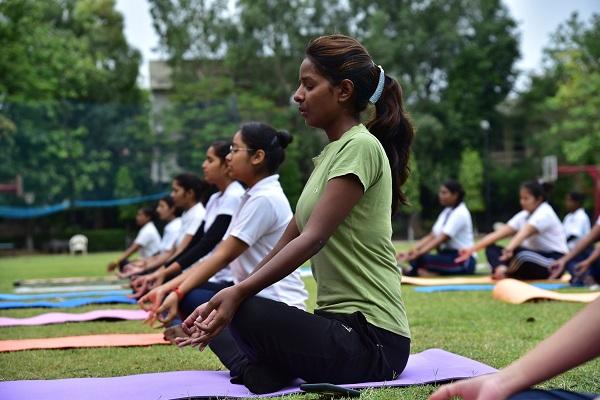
{"x": 544, "y": 209}
{"x": 462, "y": 210}
{"x": 362, "y": 140}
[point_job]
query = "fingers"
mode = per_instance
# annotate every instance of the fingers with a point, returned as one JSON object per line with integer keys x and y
{"x": 444, "y": 392}
{"x": 189, "y": 321}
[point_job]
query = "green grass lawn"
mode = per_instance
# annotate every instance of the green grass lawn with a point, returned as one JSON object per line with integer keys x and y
{"x": 468, "y": 323}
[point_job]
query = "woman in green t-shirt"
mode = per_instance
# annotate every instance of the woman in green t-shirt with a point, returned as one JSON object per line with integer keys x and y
{"x": 359, "y": 331}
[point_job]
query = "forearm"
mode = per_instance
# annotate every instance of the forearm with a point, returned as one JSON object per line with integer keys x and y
{"x": 172, "y": 270}
{"x": 573, "y": 344}
{"x": 523, "y": 234}
{"x": 175, "y": 282}
{"x": 432, "y": 244}
{"x": 127, "y": 253}
{"x": 492, "y": 238}
{"x": 584, "y": 243}
{"x": 205, "y": 242}
{"x": 423, "y": 241}
{"x": 200, "y": 274}
{"x": 158, "y": 260}
{"x": 594, "y": 256}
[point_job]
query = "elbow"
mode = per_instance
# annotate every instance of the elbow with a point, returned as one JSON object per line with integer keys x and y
{"x": 314, "y": 241}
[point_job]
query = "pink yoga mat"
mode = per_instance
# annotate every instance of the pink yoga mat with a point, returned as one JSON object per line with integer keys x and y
{"x": 429, "y": 366}
{"x": 60, "y": 318}
{"x": 113, "y": 340}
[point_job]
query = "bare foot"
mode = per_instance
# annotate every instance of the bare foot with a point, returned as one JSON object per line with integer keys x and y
{"x": 499, "y": 272}
{"x": 424, "y": 273}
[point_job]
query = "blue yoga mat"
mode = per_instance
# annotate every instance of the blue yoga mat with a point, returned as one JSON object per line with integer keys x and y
{"x": 64, "y": 295}
{"x": 84, "y": 301}
{"x": 480, "y": 288}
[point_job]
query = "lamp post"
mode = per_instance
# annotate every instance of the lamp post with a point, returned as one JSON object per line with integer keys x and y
{"x": 485, "y": 127}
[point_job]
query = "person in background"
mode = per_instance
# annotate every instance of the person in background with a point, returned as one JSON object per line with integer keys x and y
{"x": 576, "y": 223}
{"x": 582, "y": 261}
{"x": 452, "y": 231}
{"x": 219, "y": 210}
{"x": 146, "y": 243}
{"x": 538, "y": 239}
{"x": 187, "y": 192}
{"x": 168, "y": 213}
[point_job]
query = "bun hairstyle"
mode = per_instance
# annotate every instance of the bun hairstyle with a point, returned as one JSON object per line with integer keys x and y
{"x": 339, "y": 57}
{"x": 259, "y": 136}
{"x": 455, "y": 188}
{"x": 537, "y": 189}
{"x": 221, "y": 148}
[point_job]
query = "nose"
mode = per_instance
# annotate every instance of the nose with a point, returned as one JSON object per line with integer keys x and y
{"x": 228, "y": 157}
{"x": 298, "y": 95}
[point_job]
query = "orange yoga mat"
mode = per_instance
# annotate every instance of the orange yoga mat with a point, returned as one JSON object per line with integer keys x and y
{"x": 517, "y": 292}
{"x": 465, "y": 280}
{"x": 68, "y": 342}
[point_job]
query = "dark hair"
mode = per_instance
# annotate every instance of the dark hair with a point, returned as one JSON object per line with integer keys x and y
{"x": 221, "y": 148}
{"x": 456, "y": 188}
{"x": 191, "y": 182}
{"x": 260, "y": 136}
{"x": 537, "y": 189}
{"x": 339, "y": 57}
{"x": 149, "y": 212}
{"x": 171, "y": 203}
{"x": 577, "y": 197}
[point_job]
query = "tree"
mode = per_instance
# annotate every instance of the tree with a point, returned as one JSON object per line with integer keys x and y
{"x": 453, "y": 59}
{"x": 471, "y": 177}
{"x": 68, "y": 80}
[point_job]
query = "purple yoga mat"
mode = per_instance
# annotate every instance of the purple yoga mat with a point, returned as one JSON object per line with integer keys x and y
{"x": 59, "y": 318}
{"x": 429, "y": 366}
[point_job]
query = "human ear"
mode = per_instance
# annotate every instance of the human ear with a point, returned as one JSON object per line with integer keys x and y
{"x": 345, "y": 90}
{"x": 258, "y": 157}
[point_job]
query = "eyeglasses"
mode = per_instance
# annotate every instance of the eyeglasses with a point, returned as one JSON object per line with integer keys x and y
{"x": 234, "y": 150}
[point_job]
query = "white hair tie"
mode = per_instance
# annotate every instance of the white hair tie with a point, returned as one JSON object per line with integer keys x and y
{"x": 377, "y": 93}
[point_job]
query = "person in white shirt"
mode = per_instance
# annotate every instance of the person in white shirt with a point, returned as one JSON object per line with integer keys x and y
{"x": 168, "y": 213}
{"x": 538, "y": 239}
{"x": 576, "y": 223}
{"x": 582, "y": 261}
{"x": 146, "y": 243}
{"x": 188, "y": 191}
{"x": 452, "y": 231}
{"x": 219, "y": 210}
{"x": 264, "y": 213}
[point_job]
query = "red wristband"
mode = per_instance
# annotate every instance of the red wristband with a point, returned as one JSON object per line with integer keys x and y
{"x": 178, "y": 293}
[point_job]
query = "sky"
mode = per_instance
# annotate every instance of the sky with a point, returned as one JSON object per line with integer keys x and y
{"x": 536, "y": 19}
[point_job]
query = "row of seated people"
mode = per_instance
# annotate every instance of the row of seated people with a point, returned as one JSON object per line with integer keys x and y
{"x": 540, "y": 246}
{"x": 256, "y": 323}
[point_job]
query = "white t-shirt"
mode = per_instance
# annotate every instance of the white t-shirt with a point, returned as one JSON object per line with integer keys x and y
{"x": 260, "y": 221}
{"x": 550, "y": 234}
{"x": 226, "y": 203}
{"x": 457, "y": 224}
{"x": 149, "y": 240}
{"x": 170, "y": 234}
{"x": 191, "y": 220}
{"x": 576, "y": 225}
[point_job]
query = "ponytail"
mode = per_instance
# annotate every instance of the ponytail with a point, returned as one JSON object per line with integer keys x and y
{"x": 394, "y": 130}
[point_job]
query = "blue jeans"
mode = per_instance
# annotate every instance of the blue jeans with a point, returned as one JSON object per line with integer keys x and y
{"x": 198, "y": 296}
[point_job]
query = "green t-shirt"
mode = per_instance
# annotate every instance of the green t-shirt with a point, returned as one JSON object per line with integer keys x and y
{"x": 356, "y": 269}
